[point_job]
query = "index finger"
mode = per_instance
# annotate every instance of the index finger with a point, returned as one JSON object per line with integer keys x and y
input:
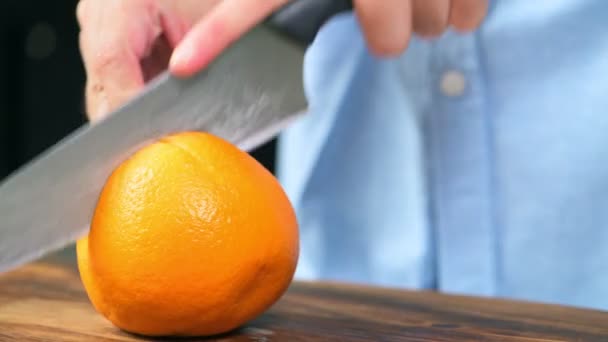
{"x": 112, "y": 78}
{"x": 113, "y": 38}
{"x": 225, "y": 23}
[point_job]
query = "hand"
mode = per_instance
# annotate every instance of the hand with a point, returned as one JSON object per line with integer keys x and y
{"x": 124, "y": 43}
{"x": 389, "y": 24}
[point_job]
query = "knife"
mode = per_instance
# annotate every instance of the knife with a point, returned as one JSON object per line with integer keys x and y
{"x": 246, "y": 96}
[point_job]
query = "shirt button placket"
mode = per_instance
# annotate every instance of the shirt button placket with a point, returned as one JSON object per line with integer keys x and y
{"x": 460, "y": 164}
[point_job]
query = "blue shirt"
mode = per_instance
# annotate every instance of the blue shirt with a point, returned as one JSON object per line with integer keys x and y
{"x": 497, "y": 186}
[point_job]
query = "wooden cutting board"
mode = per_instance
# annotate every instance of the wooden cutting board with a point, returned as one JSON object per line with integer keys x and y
{"x": 45, "y": 301}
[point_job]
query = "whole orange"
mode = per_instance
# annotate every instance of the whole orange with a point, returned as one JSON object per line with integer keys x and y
{"x": 191, "y": 236}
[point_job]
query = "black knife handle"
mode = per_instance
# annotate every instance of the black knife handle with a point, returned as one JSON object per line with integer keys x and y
{"x": 302, "y": 19}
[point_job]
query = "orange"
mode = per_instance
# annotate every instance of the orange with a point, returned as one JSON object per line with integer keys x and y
{"x": 190, "y": 236}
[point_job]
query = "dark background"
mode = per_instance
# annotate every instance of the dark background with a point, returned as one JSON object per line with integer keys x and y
{"x": 42, "y": 80}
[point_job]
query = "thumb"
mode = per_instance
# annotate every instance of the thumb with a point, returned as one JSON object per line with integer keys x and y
{"x": 225, "y": 23}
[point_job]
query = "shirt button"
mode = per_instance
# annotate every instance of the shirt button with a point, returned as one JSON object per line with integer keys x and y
{"x": 453, "y": 83}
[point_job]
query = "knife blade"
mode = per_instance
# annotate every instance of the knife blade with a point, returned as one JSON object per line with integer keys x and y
{"x": 246, "y": 96}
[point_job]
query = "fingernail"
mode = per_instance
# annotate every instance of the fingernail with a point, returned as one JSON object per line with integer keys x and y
{"x": 101, "y": 111}
{"x": 180, "y": 58}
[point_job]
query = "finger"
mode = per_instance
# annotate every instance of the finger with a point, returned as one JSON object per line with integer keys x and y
{"x": 217, "y": 30}
{"x": 387, "y": 24}
{"x": 112, "y": 78}
{"x": 430, "y": 17}
{"x": 178, "y": 17}
{"x": 467, "y": 15}
{"x": 174, "y": 26}
{"x": 111, "y": 47}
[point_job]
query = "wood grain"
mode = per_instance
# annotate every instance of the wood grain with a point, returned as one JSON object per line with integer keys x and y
{"x": 45, "y": 301}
